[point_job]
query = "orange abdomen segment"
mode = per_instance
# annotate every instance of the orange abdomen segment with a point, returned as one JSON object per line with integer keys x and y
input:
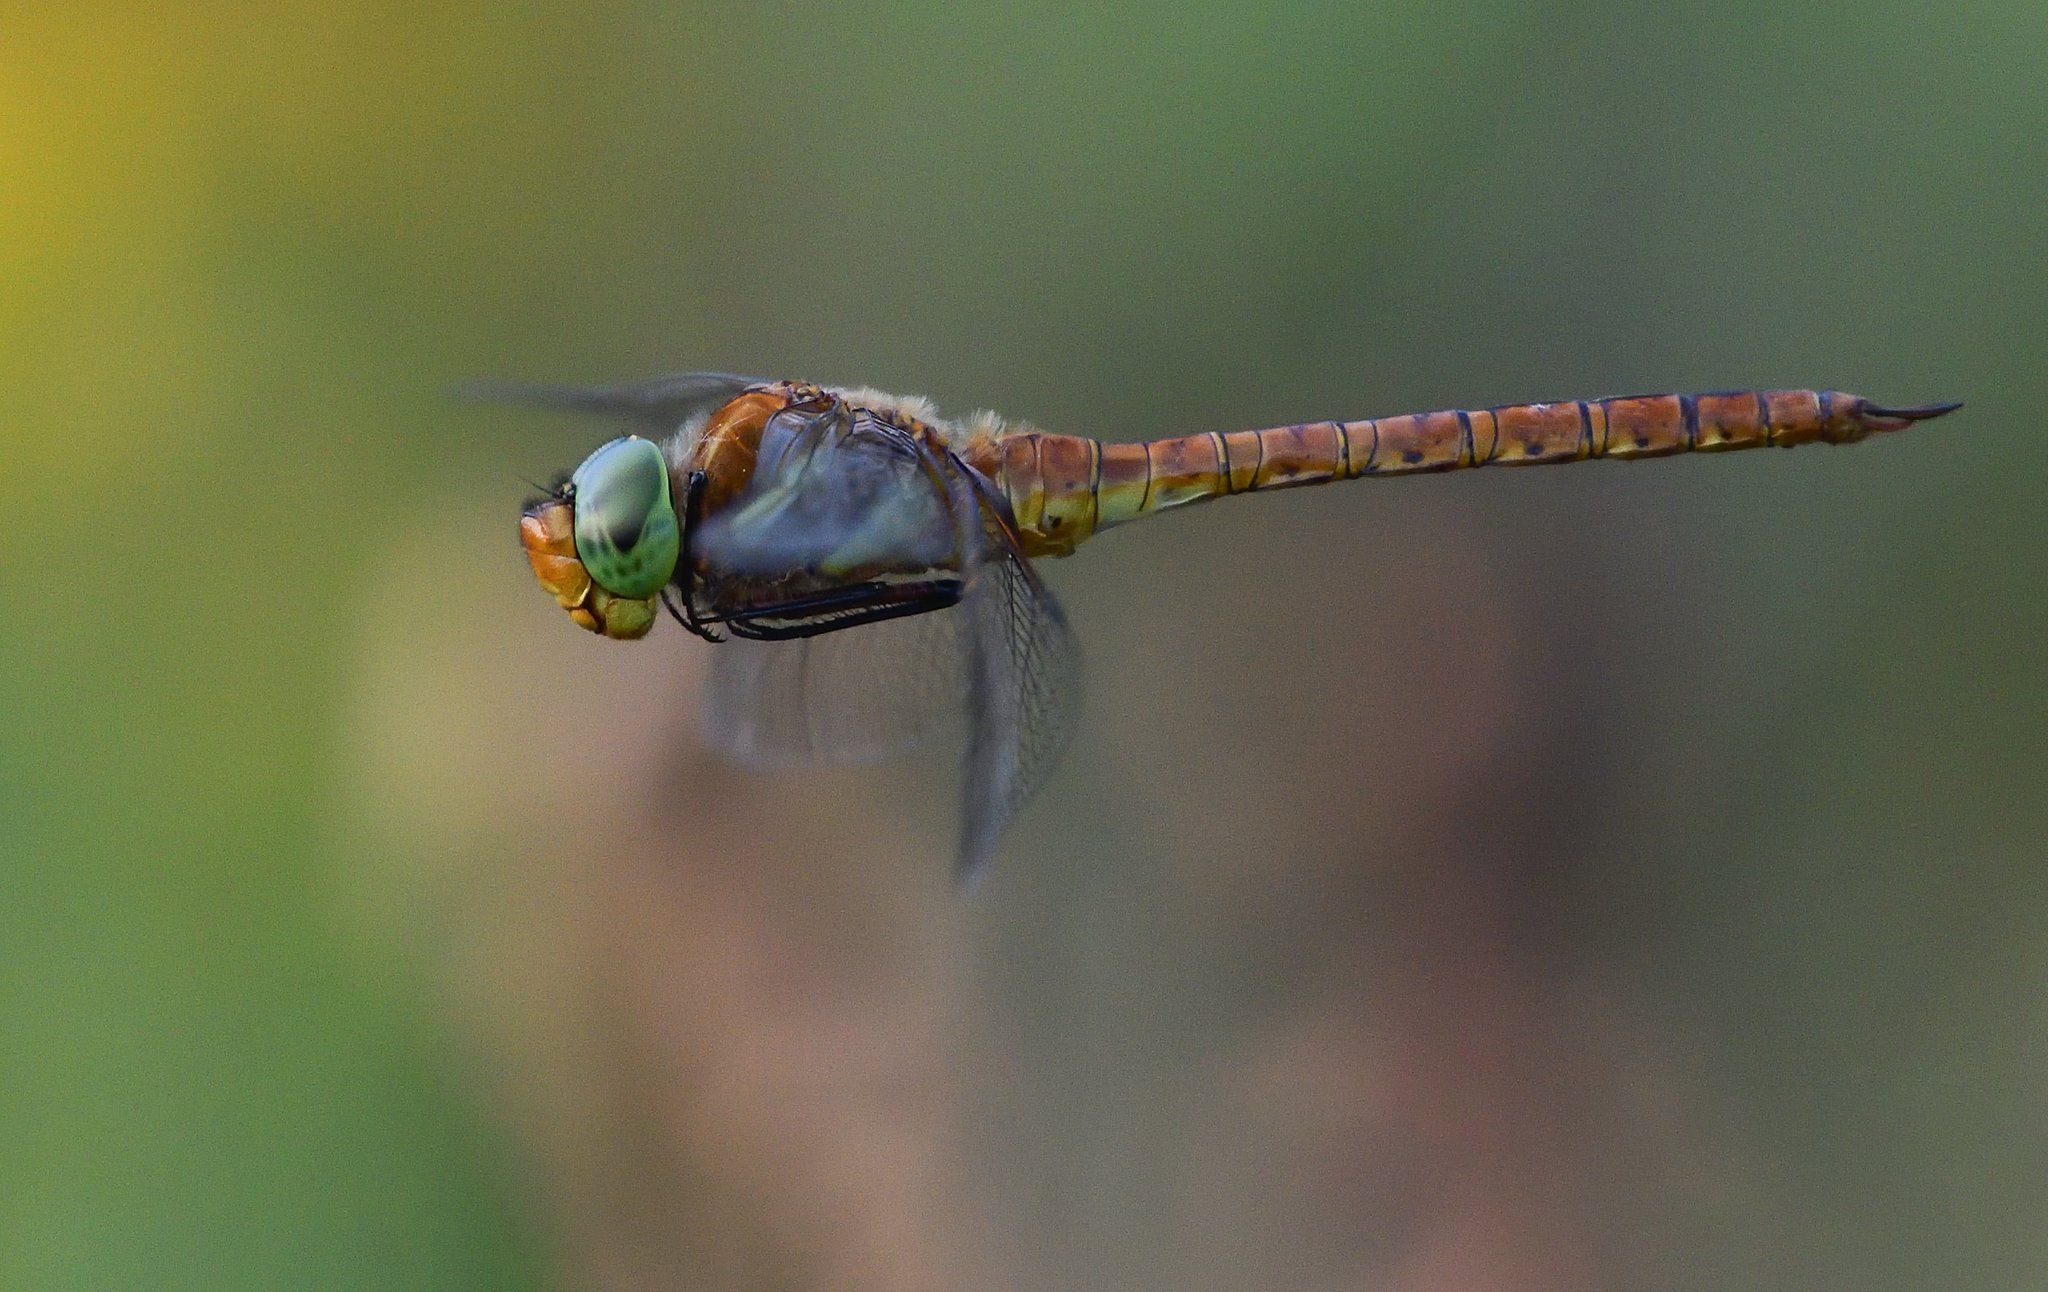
{"x": 1063, "y": 488}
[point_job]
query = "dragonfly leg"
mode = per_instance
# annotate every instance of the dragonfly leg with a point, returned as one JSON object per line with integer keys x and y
{"x": 693, "y": 496}
{"x": 848, "y": 607}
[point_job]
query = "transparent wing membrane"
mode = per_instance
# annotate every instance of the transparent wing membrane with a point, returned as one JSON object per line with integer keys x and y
{"x": 658, "y": 406}
{"x": 861, "y": 695}
{"x": 1025, "y": 675}
{"x": 843, "y": 504}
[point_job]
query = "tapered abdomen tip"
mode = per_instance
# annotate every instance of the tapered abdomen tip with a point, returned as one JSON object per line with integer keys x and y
{"x": 1897, "y": 419}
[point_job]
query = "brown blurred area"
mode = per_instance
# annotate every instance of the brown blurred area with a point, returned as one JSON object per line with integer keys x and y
{"x": 1253, "y": 999}
{"x": 775, "y": 1049}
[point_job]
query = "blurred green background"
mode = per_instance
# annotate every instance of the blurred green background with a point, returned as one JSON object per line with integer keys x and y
{"x": 1626, "y": 876}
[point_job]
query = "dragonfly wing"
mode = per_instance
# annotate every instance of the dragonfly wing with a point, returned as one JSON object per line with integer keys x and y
{"x": 660, "y": 405}
{"x": 861, "y": 695}
{"x": 1024, "y": 674}
{"x": 835, "y": 498}
{"x": 839, "y": 498}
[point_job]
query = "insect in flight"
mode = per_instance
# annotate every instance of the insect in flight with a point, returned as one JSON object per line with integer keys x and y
{"x": 866, "y": 563}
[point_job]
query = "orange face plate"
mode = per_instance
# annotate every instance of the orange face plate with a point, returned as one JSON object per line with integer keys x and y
{"x": 548, "y": 533}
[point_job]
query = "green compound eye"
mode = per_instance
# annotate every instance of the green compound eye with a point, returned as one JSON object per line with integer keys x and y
{"x": 626, "y": 532}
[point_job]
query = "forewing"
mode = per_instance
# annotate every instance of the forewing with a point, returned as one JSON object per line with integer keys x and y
{"x": 658, "y": 406}
{"x": 1004, "y": 659}
{"x": 849, "y": 499}
{"x": 836, "y": 497}
{"x": 1024, "y": 683}
{"x": 860, "y": 695}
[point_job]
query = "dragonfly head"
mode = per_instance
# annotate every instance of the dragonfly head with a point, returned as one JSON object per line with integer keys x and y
{"x": 606, "y": 543}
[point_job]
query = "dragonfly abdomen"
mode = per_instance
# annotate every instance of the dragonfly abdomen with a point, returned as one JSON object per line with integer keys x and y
{"x": 1063, "y": 488}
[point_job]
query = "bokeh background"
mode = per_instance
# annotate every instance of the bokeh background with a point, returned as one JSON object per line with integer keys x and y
{"x": 1619, "y": 877}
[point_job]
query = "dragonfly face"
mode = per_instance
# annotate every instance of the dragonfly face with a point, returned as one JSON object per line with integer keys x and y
{"x": 854, "y": 556}
{"x": 607, "y": 543}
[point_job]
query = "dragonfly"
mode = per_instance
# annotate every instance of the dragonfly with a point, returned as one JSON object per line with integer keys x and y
{"x": 865, "y": 564}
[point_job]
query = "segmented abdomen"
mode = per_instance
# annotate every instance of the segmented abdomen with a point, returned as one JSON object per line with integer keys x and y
{"x": 1062, "y": 488}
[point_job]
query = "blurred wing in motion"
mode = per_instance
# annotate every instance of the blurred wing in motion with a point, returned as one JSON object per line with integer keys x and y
{"x": 851, "y": 501}
{"x": 659, "y": 406}
{"x": 857, "y": 696}
{"x": 1024, "y": 685}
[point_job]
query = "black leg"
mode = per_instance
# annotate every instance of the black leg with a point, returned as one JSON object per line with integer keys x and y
{"x": 848, "y": 607}
{"x": 686, "y": 564}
